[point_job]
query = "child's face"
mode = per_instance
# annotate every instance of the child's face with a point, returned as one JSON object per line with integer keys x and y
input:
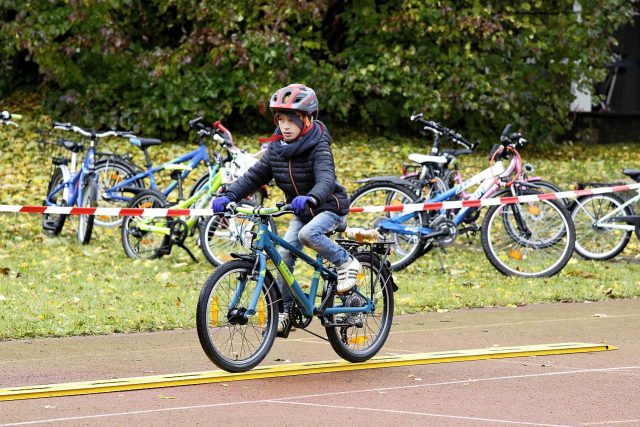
{"x": 288, "y": 127}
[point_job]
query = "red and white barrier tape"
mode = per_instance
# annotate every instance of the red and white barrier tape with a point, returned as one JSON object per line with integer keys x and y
{"x": 414, "y": 207}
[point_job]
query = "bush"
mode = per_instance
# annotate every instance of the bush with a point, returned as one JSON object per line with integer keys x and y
{"x": 157, "y": 63}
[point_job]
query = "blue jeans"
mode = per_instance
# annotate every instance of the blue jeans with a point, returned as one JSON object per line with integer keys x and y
{"x": 311, "y": 235}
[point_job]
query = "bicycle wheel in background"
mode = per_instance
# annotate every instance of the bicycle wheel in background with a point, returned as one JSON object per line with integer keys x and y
{"x": 534, "y": 239}
{"x": 110, "y": 173}
{"x": 549, "y": 187}
{"x": 406, "y": 248}
{"x": 138, "y": 238}
{"x": 233, "y": 341}
{"x": 222, "y": 235}
{"x": 89, "y": 200}
{"x": 358, "y": 337}
{"x": 593, "y": 241}
{"x": 53, "y": 223}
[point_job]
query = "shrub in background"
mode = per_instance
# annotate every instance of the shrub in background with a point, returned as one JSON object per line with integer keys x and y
{"x": 154, "y": 64}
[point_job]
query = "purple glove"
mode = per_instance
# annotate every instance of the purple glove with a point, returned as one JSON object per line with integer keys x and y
{"x": 299, "y": 203}
{"x": 220, "y": 203}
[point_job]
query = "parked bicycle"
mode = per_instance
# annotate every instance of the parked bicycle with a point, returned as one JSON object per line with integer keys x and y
{"x": 238, "y": 307}
{"x": 534, "y": 239}
{"x": 153, "y": 237}
{"x": 71, "y": 187}
{"x": 604, "y": 222}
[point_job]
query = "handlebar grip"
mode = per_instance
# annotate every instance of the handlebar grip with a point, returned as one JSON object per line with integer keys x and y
{"x": 197, "y": 122}
{"x": 505, "y": 133}
{"x": 218, "y": 125}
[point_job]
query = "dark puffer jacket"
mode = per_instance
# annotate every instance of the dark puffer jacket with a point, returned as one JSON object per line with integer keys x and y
{"x": 302, "y": 167}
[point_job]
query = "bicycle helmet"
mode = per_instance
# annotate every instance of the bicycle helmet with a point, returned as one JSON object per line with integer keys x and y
{"x": 295, "y": 98}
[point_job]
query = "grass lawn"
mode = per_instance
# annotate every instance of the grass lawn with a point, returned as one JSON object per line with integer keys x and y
{"x": 52, "y": 286}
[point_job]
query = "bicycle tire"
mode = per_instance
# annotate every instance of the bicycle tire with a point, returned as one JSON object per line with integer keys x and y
{"x": 230, "y": 344}
{"x": 356, "y": 343}
{"x": 598, "y": 243}
{"x": 89, "y": 200}
{"x": 53, "y": 223}
{"x": 534, "y": 255}
{"x": 407, "y": 247}
{"x": 142, "y": 244}
{"x": 220, "y": 236}
{"x": 110, "y": 172}
{"x": 549, "y": 187}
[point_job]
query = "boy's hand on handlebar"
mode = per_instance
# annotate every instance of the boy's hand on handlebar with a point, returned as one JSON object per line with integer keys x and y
{"x": 219, "y": 204}
{"x": 298, "y": 204}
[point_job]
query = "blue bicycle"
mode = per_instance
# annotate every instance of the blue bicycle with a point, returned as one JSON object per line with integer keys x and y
{"x": 120, "y": 180}
{"x": 238, "y": 308}
{"x": 68, "y": 187}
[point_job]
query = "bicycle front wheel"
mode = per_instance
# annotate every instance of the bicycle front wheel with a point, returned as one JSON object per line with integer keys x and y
{"x": 145, "y": 237}
{"x": 89, "y": 200}
{"x": 595, "y": 241}
{"x": 357, "y": 337}
{"x": 112, "y": 172}
{"x": 234, "y": 339}
{"x": 407, "y": 247}
{"x": 534, "y": 239}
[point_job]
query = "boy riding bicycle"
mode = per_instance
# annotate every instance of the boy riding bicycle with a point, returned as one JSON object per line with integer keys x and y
{"x": 300, "y": 161}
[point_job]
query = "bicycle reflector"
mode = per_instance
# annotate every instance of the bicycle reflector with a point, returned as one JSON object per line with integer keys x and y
{"x": 214, "y": 312}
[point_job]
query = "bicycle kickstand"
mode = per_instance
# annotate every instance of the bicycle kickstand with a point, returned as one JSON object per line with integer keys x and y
{"x": 193, "y": 257}
{"x": 440, "y": 248}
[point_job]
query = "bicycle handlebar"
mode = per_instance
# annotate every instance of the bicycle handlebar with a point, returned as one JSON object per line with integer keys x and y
{"x": 91, "y": 133}
{"x": 514, "y": 139}
{"x": 259, "y": 210}
{"x": 441, "y": 130}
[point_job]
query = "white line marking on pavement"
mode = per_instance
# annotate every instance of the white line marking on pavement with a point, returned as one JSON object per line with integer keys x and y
{"x": 422, "y": 414}
{"x": 283, "y": 399}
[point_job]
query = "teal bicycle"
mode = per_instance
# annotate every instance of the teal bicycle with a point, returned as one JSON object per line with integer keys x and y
{"x": 238, "y": 308}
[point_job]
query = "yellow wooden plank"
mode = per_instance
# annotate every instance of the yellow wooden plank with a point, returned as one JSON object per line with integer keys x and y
{"x": 292, "y": 369}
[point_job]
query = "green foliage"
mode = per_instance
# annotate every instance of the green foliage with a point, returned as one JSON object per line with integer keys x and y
{"x": 154, "y": 64}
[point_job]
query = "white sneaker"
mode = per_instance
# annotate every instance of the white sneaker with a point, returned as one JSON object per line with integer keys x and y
{"x": 347, "y": 274}
{"x": 283, "y": 320}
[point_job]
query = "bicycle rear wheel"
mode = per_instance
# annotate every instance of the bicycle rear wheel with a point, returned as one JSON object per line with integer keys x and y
{"x": 89, "y": 200}
{"x": 112, "y": 172}
{"x": 139, "y": 240}
{"x": 407, "y": 247}
{"x": 534, "y": 239}
{"x": 359, "y": 336}
{"x": 232, "y": 340}
{"x": 53, "y": 223}
{"x": 594, "y": 241}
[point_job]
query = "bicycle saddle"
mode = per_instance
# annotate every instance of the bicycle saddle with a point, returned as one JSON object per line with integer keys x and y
{"x": 634, "y": 174}
{"x": 74, "y": 147}
{"x": 144, "y": 142}
{"x": 423, "y": 159}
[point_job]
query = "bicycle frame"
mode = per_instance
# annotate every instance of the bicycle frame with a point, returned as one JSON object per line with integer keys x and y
{"x": 489, "y": 185}
{"x": 605, "y": 222}
{"x": 194, "y": 158}
{"x": 71, "y": 188}
{"x": 265, "y": 248}
{"x": 200, "y": 199}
